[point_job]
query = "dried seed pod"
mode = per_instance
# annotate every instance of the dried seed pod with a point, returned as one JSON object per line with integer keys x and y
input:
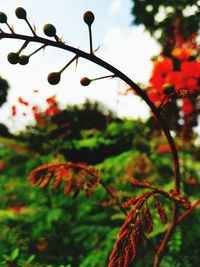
{"x": 88, "y": 18}
{"x": 49, "y": 30}
{"x": 23, "y": 60}
{"x": 160, "y": 210}
{"x": 147, "y": 220}
{"x": 85, "y": 81}
{"x": 53, "y": 78}
{"x": 3, "y": 17}
{"x": 20, "y": 13}
{"x": 13, "y": 58}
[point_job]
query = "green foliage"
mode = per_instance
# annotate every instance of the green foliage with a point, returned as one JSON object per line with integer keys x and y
{"x": 44, "y": 228}
{"x": 146, "y": 12}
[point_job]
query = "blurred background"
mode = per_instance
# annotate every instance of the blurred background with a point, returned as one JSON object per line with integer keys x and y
{"x": 105, "y": 125}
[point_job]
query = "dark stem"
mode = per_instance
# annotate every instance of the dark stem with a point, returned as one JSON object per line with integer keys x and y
{"x": 70, "y": 62}
{"x": 122, "y": 76}
{"x": 33, "y": 32}
{"x": 90, "y": 39}
{"x": 91, "y": 57}
{"x": 118, "y": 204}
{"x": 187, "y": 212}
{"x": 104, "y": 77}
{"x": 162, "y": 102}
{"x": 10, "y": 28}
{"x": 23, "y": 47}
{"x": 34, "y": 52}
{"x": 167, "y": 236}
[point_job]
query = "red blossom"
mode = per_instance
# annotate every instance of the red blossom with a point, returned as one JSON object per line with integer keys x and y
{"x": 14, "y": 110}
{"x": 175, "y": 78}
{"x": 40, "y": 121}
{"x": 190, "y": 69}
{"x": 163, "y": 148}
{"x": 187, "y": 106}
{"x": 35, "y": 108}
{"x": 42, "y": 245}
{"x": 183, "y": 53}
{"x": 192, "y": 181}
{"x": 51, "y": 111}
{"x": 163, "y": 66}
{"x": 22, "y": 101}
{"x": 52, "y": 100}
{"x": 2, "y": 165}
{"x": 16, "y": 208}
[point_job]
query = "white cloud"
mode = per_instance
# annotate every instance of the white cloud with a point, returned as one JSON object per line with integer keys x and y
{"x": 130, "y": 50}
{"x": 115, "y": 7}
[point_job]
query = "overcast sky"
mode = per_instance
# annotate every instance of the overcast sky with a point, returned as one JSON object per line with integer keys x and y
{"x": 125, "y": 46}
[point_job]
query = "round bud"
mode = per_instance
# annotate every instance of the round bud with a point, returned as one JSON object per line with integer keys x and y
{"x": 88, "y": 18}
{"x": 168, "y": 89}
{"x": 13, "y": 58}
{"x": 3, "y": 17}
{"x": 20, "y": 13}
{"x": 53, "y": 78}
{"x": 23, "y": 60}
{"x": 49, "y": 30}
{"x": 85, "y": 81}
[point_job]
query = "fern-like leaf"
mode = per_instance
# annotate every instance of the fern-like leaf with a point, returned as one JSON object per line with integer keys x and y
{"x": 76, "y": 177}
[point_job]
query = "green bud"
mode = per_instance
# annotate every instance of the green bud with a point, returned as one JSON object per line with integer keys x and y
{"x": 3, "y": 17}
{"x": 20, "y": 13}
{"x": 23, "y": 60}
{"x": 168, "y": 89}
{"x": 53, "y": 78}
{"x": 13, "y": 58}
{"x": 85, "y": 81}
{"x": 88, "y": 18}
{"x": 49, "y": 30}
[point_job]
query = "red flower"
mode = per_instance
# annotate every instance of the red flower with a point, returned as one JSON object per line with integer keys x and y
{"x": 157, "y": 81}
{"x": 183, "y": 53}
{"x": 163, "y": 66}
{"x": 175, "y": 78}
{"x": 16, "y": 208}
{"x": 155, "y": 97}
{"x": 192, "y": 181}
{"x": 51, "y": 111}
{"x": 190, "y": 69}
{"x": 187, "y": 106}
{"x": 191, "y": 84}
{"x": 42, "y": 245}
{"x": 21, "y": 101}
{"x": 2, "y": 165}
{"x": 35, "y": 108}
{"x": 51, "y": 100}
{"x": 40, "y": 121}
{"x": 14, "y": 110}
{"x": 163, "y": 148}
{"x": 37, "y": 116}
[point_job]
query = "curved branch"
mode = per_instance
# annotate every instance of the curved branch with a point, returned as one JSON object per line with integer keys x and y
{"x": 117, "y": 73}
{"x": 187, "y": 212}
{"x": 91, "y": 57}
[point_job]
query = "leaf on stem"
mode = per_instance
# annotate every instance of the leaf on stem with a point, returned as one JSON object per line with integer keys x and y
{"x": 76, "y": 177}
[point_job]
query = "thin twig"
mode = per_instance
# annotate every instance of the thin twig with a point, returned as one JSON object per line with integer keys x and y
{"x": 118, "y": 204}
{"x": 185, "y": 214}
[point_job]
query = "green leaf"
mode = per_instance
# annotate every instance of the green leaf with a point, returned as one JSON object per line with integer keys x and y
{"x": 30, "y": 259}
{"x": 15, "y": 254}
